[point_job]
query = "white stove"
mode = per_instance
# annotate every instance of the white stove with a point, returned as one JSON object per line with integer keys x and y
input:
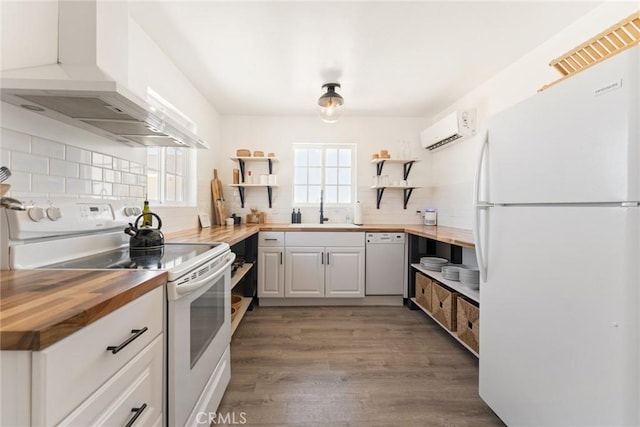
{"x": 89, "y": 234}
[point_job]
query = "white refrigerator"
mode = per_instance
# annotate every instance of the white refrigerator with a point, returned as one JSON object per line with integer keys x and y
{"x": 557, "y": 228}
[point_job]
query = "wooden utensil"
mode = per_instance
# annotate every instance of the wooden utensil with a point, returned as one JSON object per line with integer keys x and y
{"x": 215, "y": 196}
{"x": 218, "y": 183}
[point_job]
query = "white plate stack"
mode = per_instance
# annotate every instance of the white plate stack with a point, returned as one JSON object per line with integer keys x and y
{"x": 470, "y": 277}
{"x": 451, "y": 272}
{"x": 433, "y": 263}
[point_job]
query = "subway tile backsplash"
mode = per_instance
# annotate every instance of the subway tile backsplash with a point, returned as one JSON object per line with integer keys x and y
{"x": 44, "y": 168}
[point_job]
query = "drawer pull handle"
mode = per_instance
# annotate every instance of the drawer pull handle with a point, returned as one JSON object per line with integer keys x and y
{"x": 136, "y": 333}
{"x": 138, "y": 412}
{"x": 270, "y": 240}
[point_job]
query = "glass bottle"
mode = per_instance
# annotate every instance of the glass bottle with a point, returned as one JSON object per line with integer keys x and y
{"x": 146, "y": 214}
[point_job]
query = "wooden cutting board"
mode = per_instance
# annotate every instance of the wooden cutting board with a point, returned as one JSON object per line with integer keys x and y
{"x": 218, "y": 199}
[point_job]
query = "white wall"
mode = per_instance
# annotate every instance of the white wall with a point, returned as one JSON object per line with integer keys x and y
{"x": 370, "y": 134}
{"x": 452, "y": 169}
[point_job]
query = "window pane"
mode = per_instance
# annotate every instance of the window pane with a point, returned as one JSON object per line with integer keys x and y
{"x": 153, "y": 158}
{"x": 315, "y": 176}
{"x": 345, "y": 157}
{"x": 301, "y": 176}
{"x": 170, "y": 161}
{"x": 332, "y": 157}
{"x": 331, "y": 194}
{"x": 344, "y": 194}
{"x": 344, "y": 176}
{"x": 171, "y": 188}
{"x": 314, "y": 194}
{"x": 331, "y": 176}
{"x": 153, "y": 186}
{"x": 179, "y": 189}
{"x": 300, "y": 194}
{"x": 315, "y": 157}
{"x": 300, "y": 157}
{"x": 180, "y": 162}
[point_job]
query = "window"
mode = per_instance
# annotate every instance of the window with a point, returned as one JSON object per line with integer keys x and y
{"x": 171, "y": 175}
{"x": 323, "y": 167}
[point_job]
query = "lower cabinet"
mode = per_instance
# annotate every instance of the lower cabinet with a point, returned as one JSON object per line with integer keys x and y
{"x": 108, "y": 373}
{"x": 271, "y": 272}
{"x": 311, "y": 265}
{"x": 318, "y": 272}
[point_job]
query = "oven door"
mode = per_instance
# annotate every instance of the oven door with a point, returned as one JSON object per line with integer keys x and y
{"x": 199, "y": 332}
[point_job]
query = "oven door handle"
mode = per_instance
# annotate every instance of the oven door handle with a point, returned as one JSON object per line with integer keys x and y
{"x": 191, "y": 287}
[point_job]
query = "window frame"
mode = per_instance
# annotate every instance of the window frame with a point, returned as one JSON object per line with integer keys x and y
{"x": 189, "y": 177}
{"x": 324, "y": 147}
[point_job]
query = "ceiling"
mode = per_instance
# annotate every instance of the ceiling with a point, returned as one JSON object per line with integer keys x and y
{"x": 392, "y": 58}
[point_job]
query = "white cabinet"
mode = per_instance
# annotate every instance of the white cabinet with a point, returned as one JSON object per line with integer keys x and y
{"x": 271, "y": 272}
{"x": 305, "y": 272}
{"x": 344, "y": 272}
{"x": 104, "y": 374}
{"x": 270, "y": 264}
{"x": 316, "y": 272}
{"x": 327, "y": 264}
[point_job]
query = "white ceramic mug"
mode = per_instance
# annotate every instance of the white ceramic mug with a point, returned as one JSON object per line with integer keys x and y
{"x": 229, "y": 221}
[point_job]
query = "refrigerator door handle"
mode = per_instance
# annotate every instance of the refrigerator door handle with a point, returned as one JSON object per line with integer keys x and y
{"x": 478, "y": 207}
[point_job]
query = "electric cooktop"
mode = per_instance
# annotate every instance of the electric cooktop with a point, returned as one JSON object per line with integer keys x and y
{"x": 167, "y": 257}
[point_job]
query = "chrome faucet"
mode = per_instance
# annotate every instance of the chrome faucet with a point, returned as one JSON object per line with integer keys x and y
{"x": 322, "y": 218}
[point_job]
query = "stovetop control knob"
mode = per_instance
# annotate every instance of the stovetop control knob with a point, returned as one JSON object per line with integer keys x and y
{"x": 54, "y": 213}
{"x": 36, "y": 214}
{"x": 131, "y": 211}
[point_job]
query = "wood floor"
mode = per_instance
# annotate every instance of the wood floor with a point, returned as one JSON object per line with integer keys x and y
{"x": 350, "y": 366}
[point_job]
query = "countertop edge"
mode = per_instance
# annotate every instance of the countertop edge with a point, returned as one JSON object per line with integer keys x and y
{"x": 58, "y": 329}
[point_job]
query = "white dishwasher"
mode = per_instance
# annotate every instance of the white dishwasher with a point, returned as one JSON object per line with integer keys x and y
{"x": 385, "y": 266}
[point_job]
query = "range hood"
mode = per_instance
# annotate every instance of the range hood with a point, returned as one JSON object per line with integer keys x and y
{"x": 79, "y": 91}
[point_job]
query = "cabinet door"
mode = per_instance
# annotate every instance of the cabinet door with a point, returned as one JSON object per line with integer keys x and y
{"x": 271, "y": 272}
{"x": 304, "y": 268}
{"x": 344, "y": 272}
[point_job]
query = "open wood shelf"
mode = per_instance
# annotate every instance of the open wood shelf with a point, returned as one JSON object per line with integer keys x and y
{"x": 240, "y": 273}
{"x": 244, "y": 306}
{"x": 472, "y": 294}
{"x": 453, "y": 334}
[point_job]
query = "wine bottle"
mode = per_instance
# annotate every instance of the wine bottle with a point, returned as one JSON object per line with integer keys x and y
{"x": 146, "y": 213}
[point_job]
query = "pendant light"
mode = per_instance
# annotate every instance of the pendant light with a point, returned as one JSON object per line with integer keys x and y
{"x": 330, "y": 103}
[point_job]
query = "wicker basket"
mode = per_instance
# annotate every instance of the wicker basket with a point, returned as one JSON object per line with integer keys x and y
{"x": 443, "y": 306}
{"x": 236, "y": 301}
{"x": 468, "y": 323}
{"x": 423, "y": 291}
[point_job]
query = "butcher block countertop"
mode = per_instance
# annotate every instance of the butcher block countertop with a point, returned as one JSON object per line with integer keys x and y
{"x": 237, "y": 233}
{"x": 41, "y": 307}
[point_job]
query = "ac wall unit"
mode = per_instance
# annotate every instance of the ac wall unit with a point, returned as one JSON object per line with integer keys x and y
{"x": 454, "y": 126}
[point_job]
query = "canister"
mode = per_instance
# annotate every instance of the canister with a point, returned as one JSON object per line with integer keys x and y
{"x": 430, "y": 216}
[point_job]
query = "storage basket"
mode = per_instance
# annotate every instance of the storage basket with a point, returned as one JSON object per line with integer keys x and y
{"x": 443, "y": 306}
{"x": 468, "y": 323}
{"x": 423, "y": 291}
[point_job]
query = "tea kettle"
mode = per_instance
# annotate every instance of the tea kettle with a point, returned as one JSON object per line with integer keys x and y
{"x": 145, "y": 237}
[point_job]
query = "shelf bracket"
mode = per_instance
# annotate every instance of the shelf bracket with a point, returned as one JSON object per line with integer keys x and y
{"x": 269, "y": 191}
{"x": 407, "y": 168}
{"x": 241, "y": 192}
{"x": 380, "y": 192}
{"x": 241, "y": 163}
{"x": 379, "y": 167}
{"x": 407, "y": 195}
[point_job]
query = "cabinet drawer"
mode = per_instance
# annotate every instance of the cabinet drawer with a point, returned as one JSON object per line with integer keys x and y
{"x": 137, "y": 385}
{"x": 443, "y": 306}
{"x": 271, "y": 238}
{"x": 325, "y": 238}
{"x": 423, "y": 291}
{"x": 81, "y": 363}
{"x": 468, "y": 323}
